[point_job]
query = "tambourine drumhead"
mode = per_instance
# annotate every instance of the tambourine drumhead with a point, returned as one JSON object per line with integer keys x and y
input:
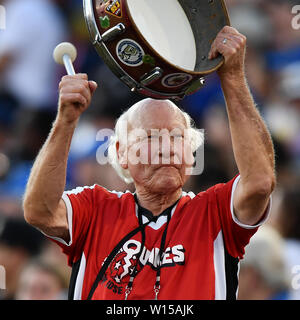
{"x": 167, "y": 29}
{"x": 158, "y": 48}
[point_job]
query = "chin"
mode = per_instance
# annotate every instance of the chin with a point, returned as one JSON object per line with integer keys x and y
{"x": 165, "y": 181}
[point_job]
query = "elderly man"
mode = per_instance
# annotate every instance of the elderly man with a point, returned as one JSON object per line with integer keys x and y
{"x": 160, "y": 242}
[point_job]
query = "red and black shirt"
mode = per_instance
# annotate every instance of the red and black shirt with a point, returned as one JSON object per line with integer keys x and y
{"x": 203, "y": 245}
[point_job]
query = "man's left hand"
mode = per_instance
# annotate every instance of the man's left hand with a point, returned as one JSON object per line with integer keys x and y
{"x": 232, "y": 45}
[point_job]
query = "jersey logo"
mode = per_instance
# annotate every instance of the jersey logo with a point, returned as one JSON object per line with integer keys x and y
{"x": 126, "y": 262}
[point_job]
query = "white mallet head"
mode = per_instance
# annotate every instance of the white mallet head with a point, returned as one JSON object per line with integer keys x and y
{"x": 65, "y": 53}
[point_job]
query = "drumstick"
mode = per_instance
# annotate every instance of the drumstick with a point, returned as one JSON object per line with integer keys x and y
{"x": 65, "y": 53}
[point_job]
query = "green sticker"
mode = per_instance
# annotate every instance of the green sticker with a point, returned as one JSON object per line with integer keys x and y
{"x": 105, "y": 22}
{"x": 147, "y": 59}
{"x": 195, "y": 86}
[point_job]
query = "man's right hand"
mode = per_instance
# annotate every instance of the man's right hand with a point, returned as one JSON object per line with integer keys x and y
{"x": 46, "y": 210}
{"x": 75, "y": 94}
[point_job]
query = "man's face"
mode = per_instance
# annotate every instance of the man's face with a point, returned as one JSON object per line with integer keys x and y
{"x": 158, "y": 150}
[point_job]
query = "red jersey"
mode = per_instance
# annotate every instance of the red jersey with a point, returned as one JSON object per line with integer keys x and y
{"x": 203, "y": 245}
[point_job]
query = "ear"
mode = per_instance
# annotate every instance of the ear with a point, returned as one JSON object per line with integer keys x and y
{"x": 122, "y": 156}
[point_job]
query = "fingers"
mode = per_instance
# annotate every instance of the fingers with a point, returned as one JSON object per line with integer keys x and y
{"x": 73, "y": 79}
{"x": 74, "y": 98}
{"x": 72, "y": 90}
{"x": 79, "y": 76}
{"x": 231, "y": 46}
{"x": 93, "y": 86}
{"x": 75, "y": 95}
{"x": 235, "y": 42}
{"x": 77, "y": 87}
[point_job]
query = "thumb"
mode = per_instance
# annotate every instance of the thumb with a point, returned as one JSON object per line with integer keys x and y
{"x": 93, "y": 86}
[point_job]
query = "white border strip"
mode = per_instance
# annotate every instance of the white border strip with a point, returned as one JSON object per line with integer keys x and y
{"x": 68, "y": 205}
{"x": 219, "y": 265}
{"x": 79, "y": 279}
{"x": 234, "y": 217}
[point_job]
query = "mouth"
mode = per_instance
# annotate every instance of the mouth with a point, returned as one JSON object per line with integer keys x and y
{"x": 174, "y": 166}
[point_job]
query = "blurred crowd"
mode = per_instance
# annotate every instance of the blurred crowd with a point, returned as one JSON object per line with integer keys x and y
{"x": 34, "y": 267}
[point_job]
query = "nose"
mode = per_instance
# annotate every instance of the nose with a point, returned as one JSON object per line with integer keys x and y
{"x": 166, "y": 148}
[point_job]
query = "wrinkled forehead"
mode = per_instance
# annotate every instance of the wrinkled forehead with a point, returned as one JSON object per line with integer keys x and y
{"x": 157, "y": 114}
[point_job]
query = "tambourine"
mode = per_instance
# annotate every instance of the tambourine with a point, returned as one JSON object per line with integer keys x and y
{"x": 159, "y": 48}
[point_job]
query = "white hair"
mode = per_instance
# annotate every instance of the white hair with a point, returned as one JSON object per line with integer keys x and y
{"x": 196, "y": 136}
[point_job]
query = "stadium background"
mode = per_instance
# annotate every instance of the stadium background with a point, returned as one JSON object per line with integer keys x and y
{"x": 33, "y": 267}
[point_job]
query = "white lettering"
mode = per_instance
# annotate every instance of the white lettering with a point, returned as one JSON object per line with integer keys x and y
{"x": 153, "y": 147}
{"x": 154, "y": 257}
{"x": 171, "y": 309}
{"x": 166, "y": 257}
{"x": 2, "y": 18}
{"x": 171, "y": 256}
{"x": 296, "y": 278}
{"x": 117, "y": 310}
{"x": 144, "y": 256}
{"x": 130, "y": 253}
{"x": 178, "y": 251}
{"x": 296, "y": 19}
{"x": 103, "y": 135}
{"x": 2, "y": 278}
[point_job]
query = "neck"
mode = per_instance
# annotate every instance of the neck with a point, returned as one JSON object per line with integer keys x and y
{"x": 157, "y": 202}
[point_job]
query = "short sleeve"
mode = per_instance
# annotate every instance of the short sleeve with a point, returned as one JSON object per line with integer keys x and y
{"x": 80, "y": 205}
{"x": 236, "y": 234}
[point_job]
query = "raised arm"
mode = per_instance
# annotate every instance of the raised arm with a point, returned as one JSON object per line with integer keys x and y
{"x": 43, "y": 207}
{"x": 252, "y": 143}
